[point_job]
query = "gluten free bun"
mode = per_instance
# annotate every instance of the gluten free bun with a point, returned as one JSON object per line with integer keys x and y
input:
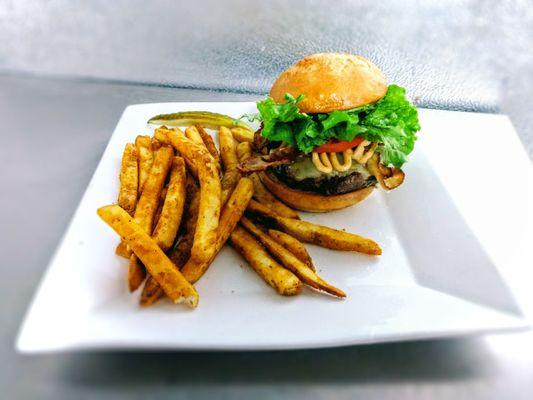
{"x": 331, "y": 81}
{"x": 312, "y": 202}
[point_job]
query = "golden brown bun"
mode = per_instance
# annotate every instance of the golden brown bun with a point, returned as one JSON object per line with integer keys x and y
{"x": 312, "y": 202}
{"x": 331, "y": 81}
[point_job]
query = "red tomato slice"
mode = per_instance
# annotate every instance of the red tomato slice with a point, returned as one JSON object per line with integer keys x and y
{"x": 336, "y": 147}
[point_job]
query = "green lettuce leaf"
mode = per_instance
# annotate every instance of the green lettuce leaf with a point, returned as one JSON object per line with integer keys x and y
{"x": 392, "y": 122}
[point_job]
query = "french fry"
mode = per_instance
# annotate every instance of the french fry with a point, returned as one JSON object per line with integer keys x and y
{"x": 181, "y": 252}
{"x": 232, "y": 212}
{"x": 209, "y": 143}
{"x": 129, "y": 179}
{"x": 227, "y": 148}
{"x": 290, "y": 261}
{"x": 160, "y": 267}
{"x": 122, "y": 250}
{"x": 156, "y": 144}
{"x": 160, "y": 206}
{"x": 172, "y": 211}
{"x": 242, "y": 135}
{"x": 136, "y": 273}
{"x": 146, "y": 158}
{"x": 160, "y": 134}
{"x": 147, "y": 207}
{"x": 228, "y": 155}
{"x": 317, "y": 234}
{"x": 179, "y": 255}
{"x": 210, "y": 194}
{"x": 261, "y": 193}
{"x": 281, "y": 279}
{"x": 192, "y": 133}
{"x": 293, "y": 245}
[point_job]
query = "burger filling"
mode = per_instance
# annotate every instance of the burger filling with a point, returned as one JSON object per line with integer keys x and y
{"x": 302, "y": 174}
{"x": 336, "y": 152}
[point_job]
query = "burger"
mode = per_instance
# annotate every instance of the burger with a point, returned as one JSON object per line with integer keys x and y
{"x": 332, "y": 130}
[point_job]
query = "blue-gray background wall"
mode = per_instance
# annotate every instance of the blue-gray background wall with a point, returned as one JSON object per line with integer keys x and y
{"x": 466, "y": 55}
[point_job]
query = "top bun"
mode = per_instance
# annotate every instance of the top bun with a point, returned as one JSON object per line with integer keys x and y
{"x": 331, "y": 81}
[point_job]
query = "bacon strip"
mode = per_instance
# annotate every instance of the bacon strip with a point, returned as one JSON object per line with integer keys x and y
{"x": 284, "y": 155}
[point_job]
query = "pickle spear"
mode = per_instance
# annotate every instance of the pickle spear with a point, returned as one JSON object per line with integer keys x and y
{"x": 204, "y": 118}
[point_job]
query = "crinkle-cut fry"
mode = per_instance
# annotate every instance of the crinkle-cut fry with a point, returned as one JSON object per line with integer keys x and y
{"x": 129, "y": 179}
{"x": 290, "y": 261}
{"x": 231, "y": 214}
{"x": 167, "y": 227}
{"x": 261, "y": 193}
{"x": 210, "y": 194}
{"x": 242, "y": 135}
{"x": 146, "y": 158}
{"x": 147, "y": 208}
{"x": 293, "y": 245}
{"x": 316, "y": 234}
{"x": 281, "y": 279}
{"x": 182, "y": 250}
{"x": 160, "y": 267}
{"x": 209, "y": 143}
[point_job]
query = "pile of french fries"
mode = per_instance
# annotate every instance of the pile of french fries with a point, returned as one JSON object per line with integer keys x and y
{"x": 181, "y": 199}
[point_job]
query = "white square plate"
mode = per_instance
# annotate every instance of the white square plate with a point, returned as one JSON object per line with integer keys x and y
{"x": 456, "y": 239}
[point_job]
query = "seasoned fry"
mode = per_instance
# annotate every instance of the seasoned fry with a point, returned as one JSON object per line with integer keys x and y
{"x": 261, "y": 193}
{"x": 209, "y": 143}
{"x": 293, "y": 245}
{"x": 316, "y": 234}
{"x": 136, "y": 273}
{"x": 192, "y": 133}
{"x": 156, "y": 144}
{"x": 281, "y": 279}
{"x": 210, "y": 194}
{"x": 242, "y": 135}
{"x": 227, "y": 148}
{"x": 147, "y": 207}
{"x": 182, "y": 251}
{"x": 160, "y": 267}
{"x": 122, "y": 250}
{"x": 160, "y": 134}
{"x": 228, "y": 155}
{"x": 146, "y": 158}
{"x": 232, "y": 212}
{"x": 172, "y": 211}
{"x": 160, "y": 206}
{"x": 151, "y": 292}
{"x": 129, "y": 179}
{"x": 290, "y": 261}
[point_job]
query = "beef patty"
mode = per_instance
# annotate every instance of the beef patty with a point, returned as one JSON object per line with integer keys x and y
{"x": 325, "y": 184}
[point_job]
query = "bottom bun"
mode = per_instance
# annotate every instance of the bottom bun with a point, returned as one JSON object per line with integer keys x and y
{"x": 313, "y": 202}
